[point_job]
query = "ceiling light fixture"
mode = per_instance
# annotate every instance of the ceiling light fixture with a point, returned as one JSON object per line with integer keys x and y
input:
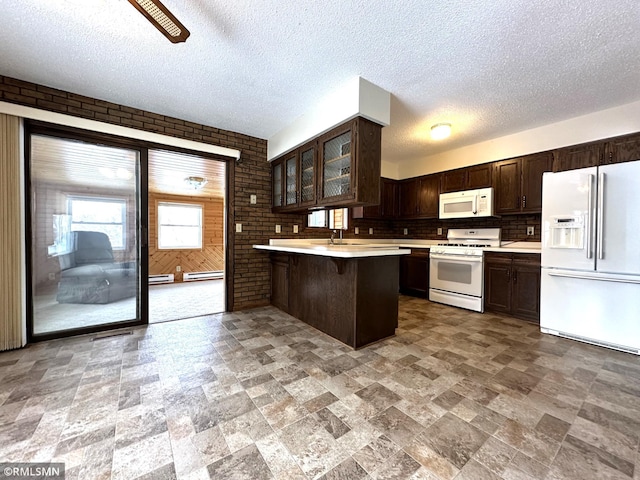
{"x": 440, "y": 131}
{"x": 196, "y": 182}
{"x": 162, "y": 19}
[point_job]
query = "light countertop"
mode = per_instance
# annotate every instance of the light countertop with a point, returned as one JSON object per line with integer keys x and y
{"x": 354, "y": 248}
{"x": 338, "y": 251}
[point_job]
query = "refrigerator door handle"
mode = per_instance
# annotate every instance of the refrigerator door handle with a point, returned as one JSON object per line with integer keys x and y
{"x": 601, "y": 278}
{"x": 590, "y": 213}
{"x": 600, "y": 215}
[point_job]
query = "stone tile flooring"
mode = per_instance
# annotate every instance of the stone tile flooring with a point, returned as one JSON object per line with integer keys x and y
{"x": 260, "y": 395}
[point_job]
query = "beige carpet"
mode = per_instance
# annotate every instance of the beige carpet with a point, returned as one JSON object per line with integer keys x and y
{"x": 166, "y": 302}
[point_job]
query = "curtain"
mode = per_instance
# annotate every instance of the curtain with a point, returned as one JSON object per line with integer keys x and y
{"x": 11, "y": 245}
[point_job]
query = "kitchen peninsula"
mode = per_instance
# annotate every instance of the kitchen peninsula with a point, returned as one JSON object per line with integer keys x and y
{"x": 349, "y": 292}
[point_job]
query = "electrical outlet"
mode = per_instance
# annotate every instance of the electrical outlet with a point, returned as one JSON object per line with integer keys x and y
{"x": 253, "y": 199}
{"x": 439, "y": 231}
{"x": 371, "y": 231}
{"x": 278, "y": 229}
{"x": 356, "y": 231}
{"x": 238, "y": 227}
{"x": 530, "y": 230}
{"x": 295, "y": 229}
{"x": 178, "y": 268}
{"x": 406, "y": 231}
{"x": 52, "y": 276}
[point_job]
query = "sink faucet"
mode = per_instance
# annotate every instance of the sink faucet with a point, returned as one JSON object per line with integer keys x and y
{"x": 332, "y": 240}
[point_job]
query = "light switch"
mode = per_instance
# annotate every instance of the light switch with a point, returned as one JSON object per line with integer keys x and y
{"x": 238, "y": 227}
{"x": 295, "y": 229}
{"x": 406, "y": 231}
{"x": 356, "y": 231}
{"x": 278, "y": 228}
{"x": 439, "y": 231}
{"x": 254, "y": 199}
{"x": 371, "y": 231}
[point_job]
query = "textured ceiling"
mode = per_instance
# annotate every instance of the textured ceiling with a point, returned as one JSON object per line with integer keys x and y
{"x": 490, "y": 67}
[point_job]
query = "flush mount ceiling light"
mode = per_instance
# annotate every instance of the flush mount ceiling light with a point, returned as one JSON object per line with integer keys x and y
{"x": 440, "y": 131}
{"x": 196, "y": 182}
{"x": 162, "y": 19}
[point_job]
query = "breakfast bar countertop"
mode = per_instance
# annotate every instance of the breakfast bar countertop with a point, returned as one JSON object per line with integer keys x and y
{"x": 355, "y": 248}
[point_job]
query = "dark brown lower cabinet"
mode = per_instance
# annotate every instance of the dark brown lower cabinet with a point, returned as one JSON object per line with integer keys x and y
{"x": 280, "y": 281}
{"x": 512, "y": 284}
{"x": 354, "y": 300}
{"x": 414, "y": 273}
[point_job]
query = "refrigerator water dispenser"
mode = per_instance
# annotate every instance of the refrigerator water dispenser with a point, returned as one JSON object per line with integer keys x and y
{"x": 567, "y": 232}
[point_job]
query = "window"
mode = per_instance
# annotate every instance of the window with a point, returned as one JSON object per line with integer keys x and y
{"x": 337, "y": 219}
{"x": 317, "y": 219}
{"x": 98, "y": 214}
{"x": 179, "y": 225}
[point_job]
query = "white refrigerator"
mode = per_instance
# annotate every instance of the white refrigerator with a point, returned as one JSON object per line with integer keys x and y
{"x": 590, "y": 288}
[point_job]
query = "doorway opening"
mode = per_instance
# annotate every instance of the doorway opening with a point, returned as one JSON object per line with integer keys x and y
{"x": 186, "y": 235}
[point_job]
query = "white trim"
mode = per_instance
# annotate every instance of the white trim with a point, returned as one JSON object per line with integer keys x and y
{"x": 96, "y": 126}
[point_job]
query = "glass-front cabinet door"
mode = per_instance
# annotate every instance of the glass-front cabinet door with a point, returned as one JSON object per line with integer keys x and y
{"x": 308, "y": 174}
{"x": 291, "y": 182}
{"x": 337, "y": 165}
{"x": 277, "y": 183}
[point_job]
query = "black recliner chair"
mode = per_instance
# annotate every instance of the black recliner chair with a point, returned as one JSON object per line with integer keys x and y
{"x": 89, "y": 273}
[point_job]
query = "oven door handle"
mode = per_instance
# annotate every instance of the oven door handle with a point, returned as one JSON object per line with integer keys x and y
{"x": 460, "y": 258}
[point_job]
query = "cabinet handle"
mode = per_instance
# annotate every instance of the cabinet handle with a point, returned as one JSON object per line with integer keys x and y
{"x": 508, "y": 273}
{"x": 515, "y": 276}
{"x": 524, "y": 201}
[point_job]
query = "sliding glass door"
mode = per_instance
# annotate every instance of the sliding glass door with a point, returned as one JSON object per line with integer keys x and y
{"x": 85, "y": 235}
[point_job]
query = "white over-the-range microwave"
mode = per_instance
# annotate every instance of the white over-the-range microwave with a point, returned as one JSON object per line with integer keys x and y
{"x": 467, "y": 204}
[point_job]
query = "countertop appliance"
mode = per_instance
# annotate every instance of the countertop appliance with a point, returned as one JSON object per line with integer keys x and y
{"x": 456, "y": 274}
{"x": 467, "y": 204}
{"x": 590, "y": 286}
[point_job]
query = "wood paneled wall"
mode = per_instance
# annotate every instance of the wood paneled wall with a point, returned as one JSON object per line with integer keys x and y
{"x": 211, "y": 257}
{"x": 11, "y": 316}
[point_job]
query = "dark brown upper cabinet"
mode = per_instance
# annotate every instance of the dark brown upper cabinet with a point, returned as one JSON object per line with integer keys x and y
{"x": 613, "y": 150}
{"x": 349, "y": 159}
{"x": 388, "y": 207}
{"x": 579, "y": 156}
{"x": 419, "y": 196}
{"x": 293, "y": 179}
{"x": 518, "y": 183}
{"x": 468, "y": 178}
{"x": 622, "y": 149}
{"x": 338, "y": 169}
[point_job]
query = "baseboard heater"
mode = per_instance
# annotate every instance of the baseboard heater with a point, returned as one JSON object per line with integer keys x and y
{"x": 191, "y": 276}
{"x": 164, "y": 278}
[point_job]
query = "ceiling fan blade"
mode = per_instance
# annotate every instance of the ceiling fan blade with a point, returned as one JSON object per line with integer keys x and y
{"x": 162, "y": 19}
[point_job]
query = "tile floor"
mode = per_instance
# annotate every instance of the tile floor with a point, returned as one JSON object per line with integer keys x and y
{"x": 260, "y": 395}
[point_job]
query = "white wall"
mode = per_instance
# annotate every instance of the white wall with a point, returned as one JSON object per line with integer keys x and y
{"x": 603, "y": 124}
{"x": 358, "y": 97}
